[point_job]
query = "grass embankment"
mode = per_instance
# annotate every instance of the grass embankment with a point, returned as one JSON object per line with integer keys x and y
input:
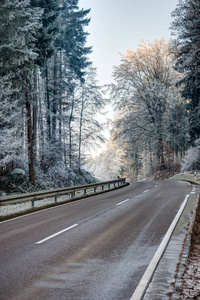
{"x": 187, "y": 176}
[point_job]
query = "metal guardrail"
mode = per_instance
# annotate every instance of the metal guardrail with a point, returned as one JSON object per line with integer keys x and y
{"x": 62, "y": 191}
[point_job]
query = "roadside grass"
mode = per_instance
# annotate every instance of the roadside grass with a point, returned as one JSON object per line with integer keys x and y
{"x": 190, "y": 176}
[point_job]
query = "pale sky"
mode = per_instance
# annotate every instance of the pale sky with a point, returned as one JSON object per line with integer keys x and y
{"x": 117, "y": 25}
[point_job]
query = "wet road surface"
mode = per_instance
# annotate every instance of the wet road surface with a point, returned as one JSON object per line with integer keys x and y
{"x": 92, "y": 249}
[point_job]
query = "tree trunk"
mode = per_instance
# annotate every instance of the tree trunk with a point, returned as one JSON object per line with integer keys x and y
{"x": 176, "y": 138}
{"x": 60, "y": 99}
{"x": 41, "y": 125}
{"x": 29, "y": 135}
{"x": 70, "y": 131}
{"x": 55, "y": 104}
{"x": 48, "y": 117}
{"x": 35, "y": 114}
{"x": 80, "y": 130}
{"x": 160, "y": 153}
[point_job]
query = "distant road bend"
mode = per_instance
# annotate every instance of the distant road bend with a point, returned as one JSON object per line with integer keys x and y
{"x": 92, "y": 249}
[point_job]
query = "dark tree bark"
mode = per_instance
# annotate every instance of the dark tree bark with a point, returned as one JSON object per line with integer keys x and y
{"x": 35, "y": 114}
{"x": 55, "y": 102}
{"x": 80, "y": 130}
{"x": 70, "y": 131}
{"x": 29, "y": 135}
{"x": 48, "y": 117}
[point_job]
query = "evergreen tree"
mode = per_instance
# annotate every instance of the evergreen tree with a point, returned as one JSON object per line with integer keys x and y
{"x": 186, "y": 48}
{"x": 67, "y": 68}
{"x": 46, "y": 34}
{"x": 72, "y": 36}
{"x": 45, "y": 48}
{"x": 18, "y": 26}
{"x": 45, "y": 99}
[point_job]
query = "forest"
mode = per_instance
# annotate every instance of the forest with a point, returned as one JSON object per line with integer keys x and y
{"x": 156, "y": 94}
{"x": 48, "y": 92}
{"x": 50, "y": 98}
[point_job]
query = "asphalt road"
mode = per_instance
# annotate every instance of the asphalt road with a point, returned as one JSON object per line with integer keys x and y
{"x": 92, "y": 249}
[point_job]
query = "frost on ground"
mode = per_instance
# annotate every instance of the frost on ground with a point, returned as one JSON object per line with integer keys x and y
{"x": 191, "y": 278}
{"x": 24, "y": 206}
{"x": 187, "y": 176}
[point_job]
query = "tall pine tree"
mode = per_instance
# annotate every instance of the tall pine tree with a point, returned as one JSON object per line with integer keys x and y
{"x": 19, "y": 25}
{"x": 186, "y": 48}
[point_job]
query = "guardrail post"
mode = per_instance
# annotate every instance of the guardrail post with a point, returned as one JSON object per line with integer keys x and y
{"x": 35, "y": 196}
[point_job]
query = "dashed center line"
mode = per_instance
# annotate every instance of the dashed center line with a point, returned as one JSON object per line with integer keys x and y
{"x": 55, "y": 234}
{"x": 68, "y": 228}
{"x": 122, "y": 202}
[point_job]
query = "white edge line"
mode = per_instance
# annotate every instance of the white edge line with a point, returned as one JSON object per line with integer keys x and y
{"x": 145, "y": 191}
{"x": 142, "y": 286}
{"x": 55, "y": 234}
{"x": 184, "y": 182}
{"x": 122, "y": 202}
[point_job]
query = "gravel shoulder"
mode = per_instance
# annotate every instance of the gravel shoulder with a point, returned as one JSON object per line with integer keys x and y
{"x": 190, "y": 280}
{"x": 190, "y": 288}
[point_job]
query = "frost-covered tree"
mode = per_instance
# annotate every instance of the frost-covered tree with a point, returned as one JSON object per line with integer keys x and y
{"x": 91, "y": 102}
{"x": 145, "y": 93}
{"x": 107, "y": 165}
{"x": 43, "y": 88}
{"x": 19, "y": 23}
{"x": 44, "y": 43}
{"x": 65, "y": 71}
{"x": 191, "y": 161}
{"x": 85, "y": 102}
{"x": 186, "y": 48}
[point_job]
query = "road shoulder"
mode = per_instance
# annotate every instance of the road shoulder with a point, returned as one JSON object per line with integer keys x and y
{"x": 166, "y": 279}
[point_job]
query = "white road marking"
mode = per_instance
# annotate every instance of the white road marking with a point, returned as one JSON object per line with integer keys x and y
{"x": 122, "y": 202}
{"x": 45, "y": 209}
{"x": 55, "y": 234}
{"x": 146, "y": 191}
{"x": 140, "y": 290}
{"x": 183, "y": 181}
{"x": 156, "y": 185}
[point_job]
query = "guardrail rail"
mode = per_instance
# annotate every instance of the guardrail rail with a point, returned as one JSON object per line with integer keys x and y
{"x": 113, "y": 184}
